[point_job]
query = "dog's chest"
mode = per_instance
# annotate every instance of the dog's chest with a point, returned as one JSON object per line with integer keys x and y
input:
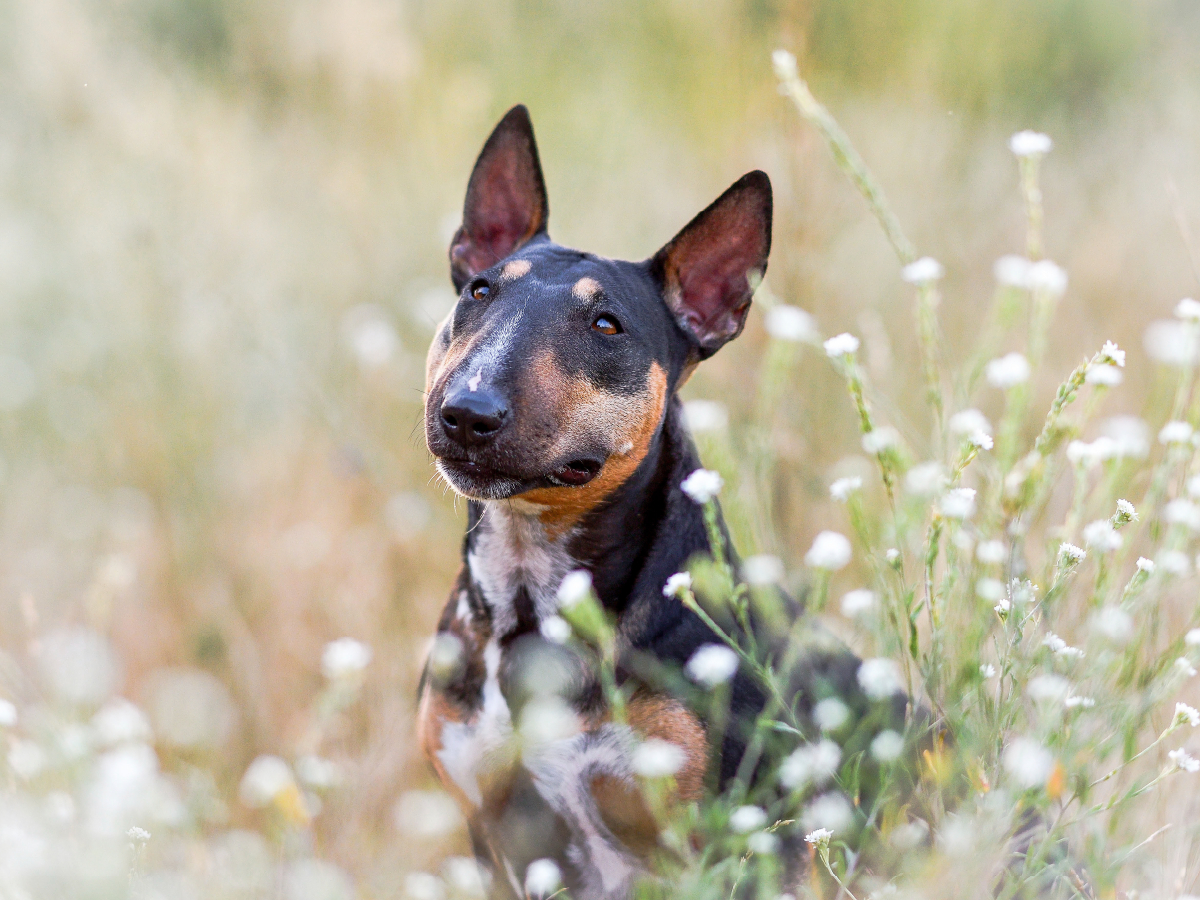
{"x": 517, "y": 566}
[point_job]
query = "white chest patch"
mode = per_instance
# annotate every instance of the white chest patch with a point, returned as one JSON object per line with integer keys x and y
{"x": 466, "y": 746}
{"x": 511, "y": 551}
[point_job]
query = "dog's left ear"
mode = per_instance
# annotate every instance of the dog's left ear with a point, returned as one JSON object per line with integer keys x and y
{"x": 709, "y": 270}
{"x": 506, "y": 202}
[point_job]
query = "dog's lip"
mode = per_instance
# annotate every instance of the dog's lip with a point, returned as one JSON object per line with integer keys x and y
{"x": 577, "y": 472}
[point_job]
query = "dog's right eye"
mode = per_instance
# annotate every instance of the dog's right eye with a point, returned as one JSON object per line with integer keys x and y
{"x": 480, "y": 290}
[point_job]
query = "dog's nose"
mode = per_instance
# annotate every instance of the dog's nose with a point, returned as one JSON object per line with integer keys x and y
{"x": 471, "y": 418}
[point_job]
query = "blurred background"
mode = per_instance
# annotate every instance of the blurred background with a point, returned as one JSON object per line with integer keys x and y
{"x": 223, "y": 231}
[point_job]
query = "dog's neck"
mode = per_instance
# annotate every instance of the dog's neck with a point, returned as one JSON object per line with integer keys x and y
{"x": 518, "y": 562}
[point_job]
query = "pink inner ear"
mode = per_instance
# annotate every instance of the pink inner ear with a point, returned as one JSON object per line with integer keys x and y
{"x": 711, "y": 287}
{"x": 507, "y": 214}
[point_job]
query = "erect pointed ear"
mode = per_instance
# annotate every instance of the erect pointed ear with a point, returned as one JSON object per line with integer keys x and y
{"x": 709, "y": 270}
{"x": 506, "y": 199}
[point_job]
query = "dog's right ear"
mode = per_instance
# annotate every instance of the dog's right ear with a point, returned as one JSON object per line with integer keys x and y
{"x": 506, "y": 202}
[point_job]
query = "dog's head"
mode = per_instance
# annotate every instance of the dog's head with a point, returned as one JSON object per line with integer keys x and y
{"x": 550, "y": 377}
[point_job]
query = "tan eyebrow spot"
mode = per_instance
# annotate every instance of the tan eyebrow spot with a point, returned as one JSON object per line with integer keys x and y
{"x": 517, "y": 268}
{"x": 586, "y": 288}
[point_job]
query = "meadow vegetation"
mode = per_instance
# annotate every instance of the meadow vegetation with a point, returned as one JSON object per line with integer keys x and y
{"x": 222, "y": 252}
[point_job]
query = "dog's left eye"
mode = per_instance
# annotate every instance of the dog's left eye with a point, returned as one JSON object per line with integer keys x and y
{"x": 607, "y": 325}
{"x": 480, "y": 290}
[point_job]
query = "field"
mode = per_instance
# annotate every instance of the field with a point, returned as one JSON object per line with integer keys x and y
{"x": 223, "y": 231}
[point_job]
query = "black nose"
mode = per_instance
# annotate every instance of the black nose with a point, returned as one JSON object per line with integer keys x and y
{"x": 471, "y": 418}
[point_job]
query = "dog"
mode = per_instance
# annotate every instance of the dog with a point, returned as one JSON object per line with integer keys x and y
{"x": 552, "y": 407}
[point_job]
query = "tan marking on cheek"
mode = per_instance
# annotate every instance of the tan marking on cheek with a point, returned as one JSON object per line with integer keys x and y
{"x": 666, "y": 719}
{"x": 585, "y": 288}
{"x": 629, "y": 421}
{"x": 514, "y": 269}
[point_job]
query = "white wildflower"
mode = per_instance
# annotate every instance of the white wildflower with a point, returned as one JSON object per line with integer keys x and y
{"x": 790, "y": 323}
{"x": 831, "y": 810}
{"x": 426, "y": 814}
{"x": 1113, "y": 624}
{"x": 1073, "y": 701}
{"x": 762, "y": 842}
{"x": 445, "y": 655}
{"x": 923, "y": 271}
{"x": 138, "y": 835}
{"x": 1047, "y": 277}
{"x": 1069, "y": 553}
{"x": 1028, "y": 762}
{"x": 856, "y": 603}
{"x": 1185, "y": 667}
{"x": 712, "y": 664}
{"x": 1048, "y": 687}
{"x": 841, "y": 489}
{"x": 1145, "y": 565}
{"x": 8, "y": 713}
{"x": 810, "y": 764}
{"x": 555, "y": 629}
{"x": 745, "y": 819}
{"x": 1060, "y": 647}
{"x": 990, "y": 589}
{"x": 575, "y": 587}
{"x": 466, "y": 877}
{"x": 1101, "y": 536}
{"x": 830, "y": 551}
{"x": 678, "y": 585}
{"x": 968, "y": 421}
{"x": 1030, "y": 144}
{"x": 763, "y": 568}
{"x": 656, "y": 758}
{"x": 958, "y": 503}
{"x": 542, "y": 878}
{"x": 1184, "y": 761}
{"x": 1174, "y": 562}
{"x": 423, "y": 886}
{"x": 987, "y": 670}
{"x": 1007, "y": 371}
{"x": 706, "y": 415}
{"x": 119, "y": 722}
{"x": 1175, "y": 433}
{"x": 991, "y": 552}
{"x": 1126, "y": 510}
{"x": 980, "y": 440}
{"x": 265, "y": 779}
{"x": 1171, "y": 342}
{"x": 892, "y": 555}
{"x": 1112, "y": 355}
{"x": 1182, "y": 512}
{"x": 879, "y": 678}
{"x": 1193, "y": 485}
{"x": 925, "y": 479}
{"x": 1130, "y": 436}
{"x": 344, "y": 658}
{"x": 1103, "y": 375}
{"x": 1192, "y": 638}
{"x": 819, "y": 837}
{"x": 841, "y": 345}
{"x": 1188, "y": 310}
{"x": 702, "y": 485}
{"x": 887, "y": 746}
{"x": 784, "y": 64}
{"x": 831, "y": 714}
{"x": 880, "y": 439}
{"x": 1012, "y": 271}
{"x": 1186, "y": 715}
{"x": 547, "y": 719}
{"x": 1003, "y": 607}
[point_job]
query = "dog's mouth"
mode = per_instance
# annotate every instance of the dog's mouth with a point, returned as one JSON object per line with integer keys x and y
{"x": 476, "y": 477}
{"x": 576, "y": 473}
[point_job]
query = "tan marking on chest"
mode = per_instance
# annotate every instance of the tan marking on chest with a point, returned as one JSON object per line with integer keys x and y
{"x": 667, "y": 719}
{"x": 626, "y": 422}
